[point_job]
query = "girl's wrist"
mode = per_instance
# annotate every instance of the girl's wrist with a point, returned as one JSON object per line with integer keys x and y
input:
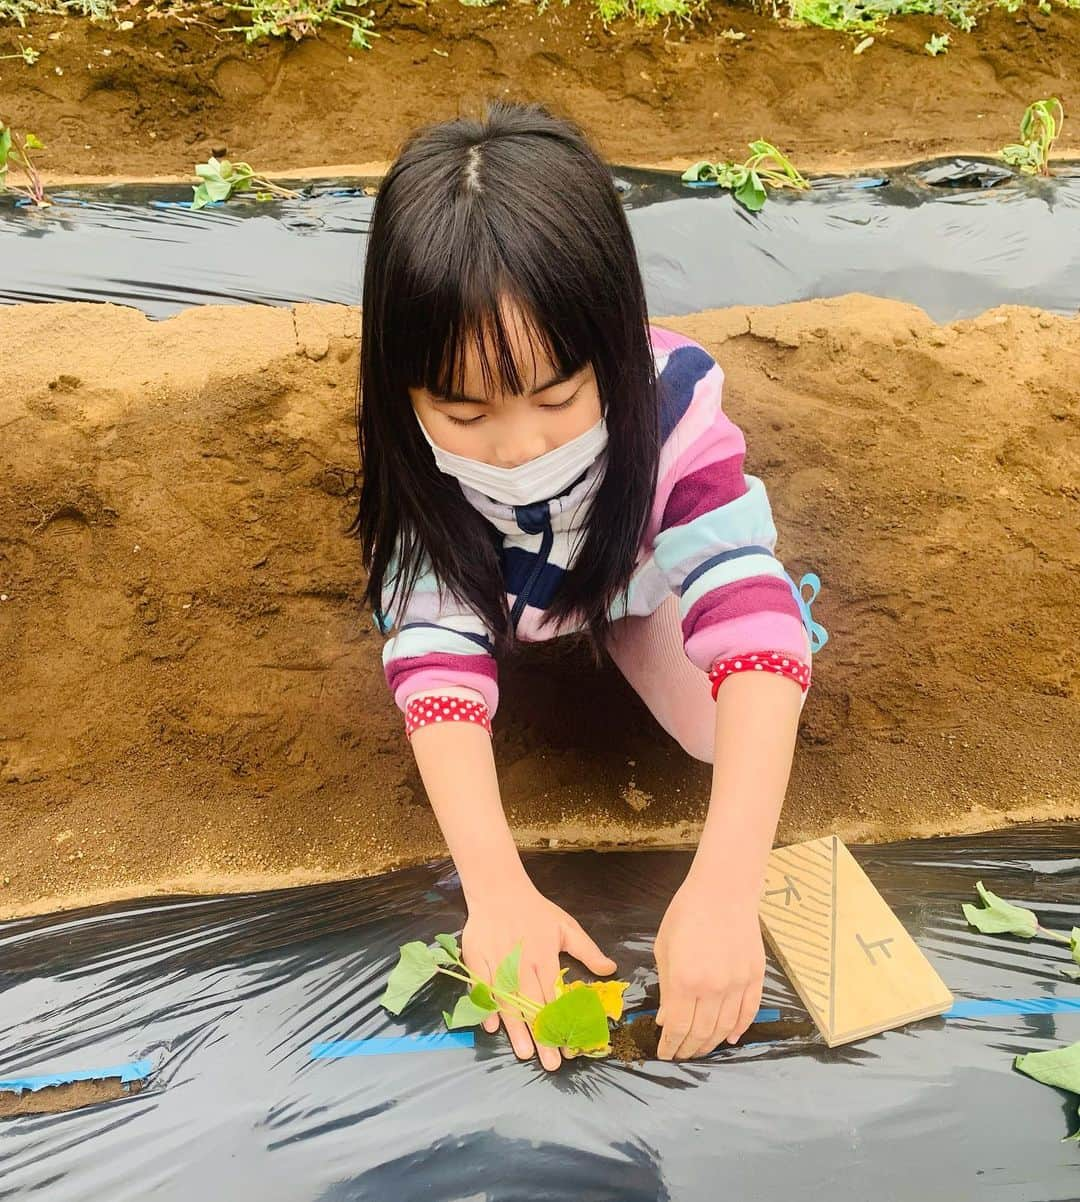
{"x": 494, "y": 882}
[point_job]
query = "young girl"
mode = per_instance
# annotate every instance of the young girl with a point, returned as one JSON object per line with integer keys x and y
{"x": 538, "y": 460}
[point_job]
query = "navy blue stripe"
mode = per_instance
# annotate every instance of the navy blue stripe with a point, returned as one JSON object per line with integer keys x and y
{"x": 685, "y": 366}
{"x": 481, "y": 640}
{"x": 723, "y": 557}
{"x": 518, "y": 567}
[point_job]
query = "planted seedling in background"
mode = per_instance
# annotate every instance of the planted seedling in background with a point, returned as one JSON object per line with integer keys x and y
{"x": 221, "y": 178}
{"x": 16, "y": 152}
{"x": 999, "y": 917}
{"x": 1039, "y": 130}
{"x": 766, "y": 167}
{"x": 576, "y": 1020}
{"x": 938, "y": 44}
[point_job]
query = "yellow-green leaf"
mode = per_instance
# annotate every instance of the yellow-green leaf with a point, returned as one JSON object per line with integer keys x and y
{"x": 574, "y": 1020}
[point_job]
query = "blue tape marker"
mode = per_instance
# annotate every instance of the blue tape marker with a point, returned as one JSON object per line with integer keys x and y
{"x": 393, "y": 1044}
{"x": 987, "y": 1007}
{"x": 135, "y": 1070}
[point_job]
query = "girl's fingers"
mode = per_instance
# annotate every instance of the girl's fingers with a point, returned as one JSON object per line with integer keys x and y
{"x": 491, "y": 1023}
{"x": 520, "y": 1039}
{"x": 701, "y": 1030}
{"x": 751, "y": 1003}
{"x": 582, "y": 948}
{"x": 677, "y": 1020}
{"x": 729, "y": 1014}
{"x": 534, "y": 987}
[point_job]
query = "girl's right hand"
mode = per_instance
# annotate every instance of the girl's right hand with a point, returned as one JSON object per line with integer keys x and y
{"x": 497, "y": 924}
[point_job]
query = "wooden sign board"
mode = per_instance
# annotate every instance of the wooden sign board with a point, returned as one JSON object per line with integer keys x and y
{"x": 849, "y": 958}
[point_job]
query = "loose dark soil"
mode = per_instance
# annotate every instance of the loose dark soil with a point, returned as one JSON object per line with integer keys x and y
{"x": 193, "y": 694}
{"x": 636, "y": 1041}
{"x": 155, "y": 99}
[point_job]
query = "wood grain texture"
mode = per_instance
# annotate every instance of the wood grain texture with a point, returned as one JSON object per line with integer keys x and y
{"x": 846, "y": 953}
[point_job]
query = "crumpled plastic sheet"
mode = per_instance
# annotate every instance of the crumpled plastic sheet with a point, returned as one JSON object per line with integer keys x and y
{"x": 932, "y": 235}
{"x": 258, "y": 1016}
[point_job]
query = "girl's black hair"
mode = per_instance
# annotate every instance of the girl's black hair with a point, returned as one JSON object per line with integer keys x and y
{"x": 515, "y": 205}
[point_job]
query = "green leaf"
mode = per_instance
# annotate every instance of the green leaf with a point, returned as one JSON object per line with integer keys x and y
{"x": 449, "y": 943}
{"x": 751, "y": 192}
{"x": 481, "y": 995}
{"x": 1060, "y": 1068}
{"x": 506, "y": 975}
{"x": 1072, "y": 973}
{"x": 33, "y": 142}
{"x": 699, "y": 171}
{"x": 574, "y": 1020}
{"x": 217, "y": 189}
{"x": 466, "y": 1013}
{"x": 1074, "y": 944}
{"x": 202, "y": 197}
{"x": 5, "y": 144}
{"x": 415, "y": 967}
{"x": 1000, "y": 917}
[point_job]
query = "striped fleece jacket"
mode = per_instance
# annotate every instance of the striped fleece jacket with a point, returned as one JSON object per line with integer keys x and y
{"x": 709, "y": 540}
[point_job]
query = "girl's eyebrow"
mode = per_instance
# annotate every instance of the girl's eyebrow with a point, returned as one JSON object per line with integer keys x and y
{"x": 459, "y": 398}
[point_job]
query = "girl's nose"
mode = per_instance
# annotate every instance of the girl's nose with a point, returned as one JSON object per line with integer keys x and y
{"x": 513, "y": 452}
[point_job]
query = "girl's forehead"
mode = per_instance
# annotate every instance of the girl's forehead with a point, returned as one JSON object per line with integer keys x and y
{"x": 491, "y": 362}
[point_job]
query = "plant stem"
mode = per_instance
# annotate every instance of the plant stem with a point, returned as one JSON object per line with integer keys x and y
{"x": 1057, "y": 936}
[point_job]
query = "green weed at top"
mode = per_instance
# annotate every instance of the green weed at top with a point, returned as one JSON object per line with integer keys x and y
{"x": 19, "y": 10}
{"x": 861, "y": 16}
{"x": 649, "y": 12}
{"x": 297, "y": 19}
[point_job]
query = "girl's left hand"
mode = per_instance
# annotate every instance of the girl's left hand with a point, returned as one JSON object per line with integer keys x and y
{"x": 711, "y": 961}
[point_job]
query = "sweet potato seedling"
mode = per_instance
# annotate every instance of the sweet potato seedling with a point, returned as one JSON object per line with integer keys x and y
{"x": 1039, "y": 130}
{"x": 576, "y": 1020}
{"x": 938, "y": 44}
{"x": 1060, "y": 1068}
{"x": 27, "y": 53}
{"x": 221, "y": 178}
{"x": 16, "y": 153}
{"x": 999, "y": 917}
{"x": 766, "y": 167}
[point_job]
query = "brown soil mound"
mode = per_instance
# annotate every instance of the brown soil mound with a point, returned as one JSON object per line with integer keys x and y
{"x": 55, "y": 1099}
{"x": 194, "y": 697}
{"x": 153, "y": 100}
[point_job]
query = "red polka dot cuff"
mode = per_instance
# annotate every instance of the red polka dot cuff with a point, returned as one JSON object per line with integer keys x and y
{"x": 426, "y": 711}
{"x": 780, "y": 663}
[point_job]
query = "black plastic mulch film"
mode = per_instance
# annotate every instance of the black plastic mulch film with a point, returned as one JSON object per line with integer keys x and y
{"x": 955, "y": 237}
{"x": 255, "y": 1018}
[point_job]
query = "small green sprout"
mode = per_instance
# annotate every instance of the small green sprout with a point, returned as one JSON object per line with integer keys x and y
{"x": 576, "y": 1020}
{"x": 938, "y": 44}
{"x": 747, "y": 181}
{"x": 1060, "y": 1068}
{"x": 1039, "y": 130}
{"x": 221, "y": 178}
{"x": 27, "y": 53}
{"x": 17, "y": 153}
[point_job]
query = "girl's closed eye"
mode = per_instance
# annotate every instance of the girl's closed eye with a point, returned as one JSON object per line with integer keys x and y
{"x": 465, "y": 421}
{"x": 569, "y": 400}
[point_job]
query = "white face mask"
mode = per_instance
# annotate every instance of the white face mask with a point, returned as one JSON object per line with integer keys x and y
{"x": 540, "y": 479}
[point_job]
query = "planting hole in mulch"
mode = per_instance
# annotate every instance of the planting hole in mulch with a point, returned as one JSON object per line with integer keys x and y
{"x": 55, "y": 1099}
{"x": 638, "y": 1040}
